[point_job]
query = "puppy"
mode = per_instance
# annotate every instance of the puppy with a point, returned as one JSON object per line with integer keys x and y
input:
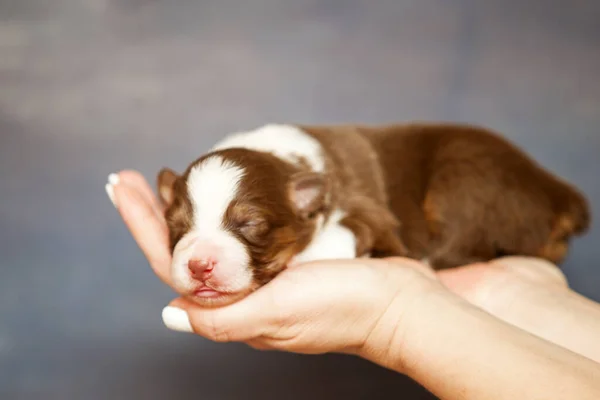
{"x": 262, "y": 200}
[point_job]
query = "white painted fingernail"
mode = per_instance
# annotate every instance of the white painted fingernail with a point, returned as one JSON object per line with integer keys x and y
{"x": 176, "y": 319}
{"x": 110, "y": 191}
{"x": 113, "y": 179}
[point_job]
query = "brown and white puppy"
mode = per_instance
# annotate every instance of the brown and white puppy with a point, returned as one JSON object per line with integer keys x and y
{"x": 268, "y": 198}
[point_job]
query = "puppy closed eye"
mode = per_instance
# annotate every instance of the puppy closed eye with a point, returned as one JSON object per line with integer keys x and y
{"x": 254, "y": 229}
{"x": 178, "y": 221}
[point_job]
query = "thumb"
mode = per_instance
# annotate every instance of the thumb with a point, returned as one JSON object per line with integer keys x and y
{"x": 249, "y": 318}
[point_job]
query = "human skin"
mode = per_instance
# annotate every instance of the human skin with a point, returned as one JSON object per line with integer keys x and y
{"x": 448, "y": 331}
{"x": 533, "y": 295}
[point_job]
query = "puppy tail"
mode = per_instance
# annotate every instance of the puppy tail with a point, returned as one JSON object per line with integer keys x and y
{"x": 582, "y": 214}
{"x": 576, "y": 218}
{"x": 572, "y": 219}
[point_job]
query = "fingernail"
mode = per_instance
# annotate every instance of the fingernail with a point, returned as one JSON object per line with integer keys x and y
{"x": 111, "y": 193}
{"x": 113, "y": 179}
{"x": 176, "y": 319}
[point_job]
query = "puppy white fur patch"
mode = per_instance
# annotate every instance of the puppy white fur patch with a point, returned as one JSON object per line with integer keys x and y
{"x": 212, "y": 185}
{"x": 333, "y": 241}
{"x": 284, "y": 141}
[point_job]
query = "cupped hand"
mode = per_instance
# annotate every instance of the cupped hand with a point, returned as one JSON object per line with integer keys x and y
{"x": 318, "y": 307}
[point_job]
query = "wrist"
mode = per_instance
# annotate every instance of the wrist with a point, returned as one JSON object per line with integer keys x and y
{"x": 386, "y": 343}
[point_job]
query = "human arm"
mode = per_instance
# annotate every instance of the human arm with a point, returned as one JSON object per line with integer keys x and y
{"x": 476, "y": 356}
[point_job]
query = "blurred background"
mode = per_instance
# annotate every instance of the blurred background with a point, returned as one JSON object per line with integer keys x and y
{"x": 88, "y": 87}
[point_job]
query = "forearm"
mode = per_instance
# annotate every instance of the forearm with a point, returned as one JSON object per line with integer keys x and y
{"x": 468, "y": 354}
{"x": 558, "y": 315}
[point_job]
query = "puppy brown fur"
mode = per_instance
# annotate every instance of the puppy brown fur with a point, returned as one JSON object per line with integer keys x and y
{"x": 465, "y": 194}
{"x": 449, "y": 193}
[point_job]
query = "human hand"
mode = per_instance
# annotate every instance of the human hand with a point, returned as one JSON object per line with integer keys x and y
{"x": 345, "y": 306}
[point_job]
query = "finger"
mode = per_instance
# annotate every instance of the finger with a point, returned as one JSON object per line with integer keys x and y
{"x": 247, "y": 320}
{"x": 137, "y": 181}
{"x": 148, "y": 229}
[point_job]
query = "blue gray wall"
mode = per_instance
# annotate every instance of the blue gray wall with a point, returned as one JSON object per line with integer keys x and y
{"x": 88, "y": 87}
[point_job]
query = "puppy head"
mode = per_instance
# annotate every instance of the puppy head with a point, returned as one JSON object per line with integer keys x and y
{"x": 236, "y": 217}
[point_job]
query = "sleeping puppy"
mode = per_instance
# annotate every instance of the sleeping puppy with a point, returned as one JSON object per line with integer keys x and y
{"x": 262, "y": 200}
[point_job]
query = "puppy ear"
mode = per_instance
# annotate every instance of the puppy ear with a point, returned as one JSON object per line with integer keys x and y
{"x": 307, "y": 192}
{"x": 165, "y": 181}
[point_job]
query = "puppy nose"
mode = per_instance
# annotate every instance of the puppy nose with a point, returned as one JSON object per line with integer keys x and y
{"x": 201, "y": 269}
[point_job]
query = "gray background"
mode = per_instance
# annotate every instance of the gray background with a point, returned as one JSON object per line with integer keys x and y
{"x": 88, "y": 87}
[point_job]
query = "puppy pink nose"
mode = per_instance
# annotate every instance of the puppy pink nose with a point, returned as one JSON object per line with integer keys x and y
{"x": 201, "y": 269}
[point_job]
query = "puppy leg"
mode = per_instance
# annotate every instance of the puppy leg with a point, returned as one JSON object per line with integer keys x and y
{"x": 374, "y": 242}
{"x": 375, "y": 227}
{"x": 472, "y": 217}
